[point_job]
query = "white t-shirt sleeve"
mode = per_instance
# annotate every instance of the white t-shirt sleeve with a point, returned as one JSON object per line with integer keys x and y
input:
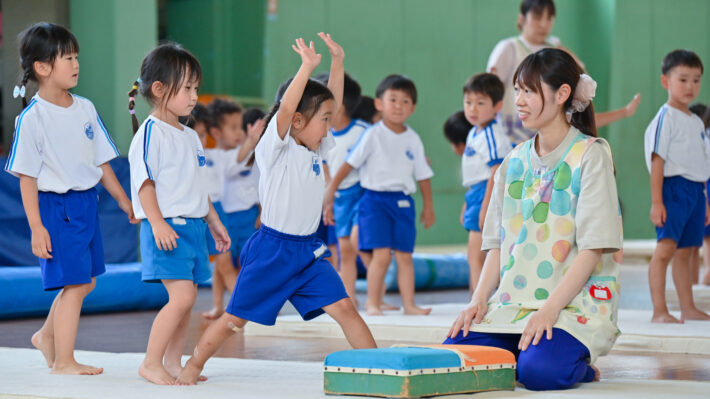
{"x": 104, "y": 147}
{"x": 502, "y": 58}
{"x": 663, "y": 135}
{"x": 496, "y": 148}
{"x": 490, "y": 237}
{"x": 422, "y": 170}
{"x": 145, "y": 159}
{"x": 362, "y": 150}
{"x": 26, "y": 152}
{"x": 271, "y": 147}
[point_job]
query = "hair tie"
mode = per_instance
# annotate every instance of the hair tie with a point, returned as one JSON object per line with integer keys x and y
{"x": 18, "y": 91}
{"x": 139, "y": 80}
{"x": 132, "y": 111}
{"x": 583, "y": 95}
{"x": 131, "y": 99}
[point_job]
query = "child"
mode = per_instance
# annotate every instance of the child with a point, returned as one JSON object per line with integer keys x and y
{"x": 366, "y": 111}
{"x": 170, "y": 197}
{"x": 486, "y": 146}
{"x": 678, "y": 158}
{"x": 550, "y": 234}
{"x": 456, "y": 129}
{"x": 346, "y": 132}
{"x": 390, "y": 157}
{"x": 283, "y": 260}
{"x": 199, "y": 121}
{"x": 61, "y": 151}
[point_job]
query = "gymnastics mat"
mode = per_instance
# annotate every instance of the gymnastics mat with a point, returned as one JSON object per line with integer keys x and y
{"x": 119, "y": 289}
{"x": 431, "y": 271}
{"x": 638, "y": 333}
{"x": 24, "y": 373}
{"x": 411, "y": 372}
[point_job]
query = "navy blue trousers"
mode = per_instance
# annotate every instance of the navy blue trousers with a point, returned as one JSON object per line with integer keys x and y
{"x": 559, "y": 363}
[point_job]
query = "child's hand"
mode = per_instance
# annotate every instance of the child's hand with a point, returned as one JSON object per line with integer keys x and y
{"x": 630, "y": 108}
{"x": 473, "y": 313}
{"x": 540, "y": 322}
{"x": 707, "y": 217}
{"x": 127, "y": 207}
{"x": 165, "y": 236}
{"x": 254, "y": 130}
{"x": 41, "y": 243}
{"x": 220, "y": 235}
{"x": 463, "y": 212}
{"x": 428, "y": 217}
{"x": 328, "y": 200}
{"x": 658, "y": 214}
{"x": 336, "y": 52}
{"x": 308, "y": 54}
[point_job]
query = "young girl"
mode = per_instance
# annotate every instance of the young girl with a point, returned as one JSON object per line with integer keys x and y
{"x": 61, "y": 151}
{"x": 283, "y": 260}
{"x": 550, "y": 233}
{"x": 170, "y": 197}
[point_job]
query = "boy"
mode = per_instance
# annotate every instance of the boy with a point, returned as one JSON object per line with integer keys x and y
{"x": 456, "y": 130}
{"x": 486, "y": 146}
{"x": 678, "y": 158}
{"x": 390, "y": 156}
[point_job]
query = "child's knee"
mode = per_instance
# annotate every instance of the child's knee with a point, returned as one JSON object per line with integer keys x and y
{"x": 185, "y": 300}
{"x": 232, "y": 322}
{"x": 343, "y": 307}
{"x": 538, "y": 375}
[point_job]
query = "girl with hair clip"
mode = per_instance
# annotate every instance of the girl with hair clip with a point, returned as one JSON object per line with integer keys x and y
{"x": 171, "y": 200}
{"x": 60, "y": 152}
{"x": 284, "y": 260}
{"x": 549, "y": 291}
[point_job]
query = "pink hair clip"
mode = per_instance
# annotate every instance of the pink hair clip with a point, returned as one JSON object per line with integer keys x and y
{"x": 131, "y": 99}
{"x": 132, "y": 111}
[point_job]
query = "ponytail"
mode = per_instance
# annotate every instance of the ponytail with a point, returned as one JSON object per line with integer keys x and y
{"x": 132, "y": 105}
{"x": 584, "y": 121}
{"x": 267, "y": 119}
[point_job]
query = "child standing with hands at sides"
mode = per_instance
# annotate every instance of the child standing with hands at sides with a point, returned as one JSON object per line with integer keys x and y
{"x": 284, "y": 260}
{"x": 389, "y": 156}
{"x": 486, "y": 146}
{"x": 549, "y": 289}
{"x": 678, "y": 158}
{"x": 170, "y": 197}
{"x": 60, "y": 152}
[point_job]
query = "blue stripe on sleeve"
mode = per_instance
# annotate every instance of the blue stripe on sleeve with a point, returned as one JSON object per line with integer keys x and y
{"x": 493, "y": 141}
{"x": 13, "y": 151}
{"x": 108, "y": 136}
{"x": 658, "y": 129}
{"x": 146, "y": 144}
{"x": 488, "y": 140}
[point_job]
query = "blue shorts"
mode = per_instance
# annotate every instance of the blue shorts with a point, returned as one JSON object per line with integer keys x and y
{"x": 211, "y": 244}
{"x": 345, "y": 209}
{"x": 278, "y": 267}
{"x": 240, "y": 226}
{"x": 707, "y": 190}
{"x": 72, "y": 220}
{"x": 386, "y": 221}
{"x": 685, "y": 212}
{"x": 474, "y": 199}
{"x": 326, "y": 234}
{"x": 188, "y": 261}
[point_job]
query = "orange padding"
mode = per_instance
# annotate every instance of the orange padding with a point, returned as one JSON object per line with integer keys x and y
{"x": 476, "y": 355}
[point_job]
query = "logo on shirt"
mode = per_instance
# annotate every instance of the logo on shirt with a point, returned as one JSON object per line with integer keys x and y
{"x": 245, "y": 173}
{"x": 410, "y": 155}
{"x": 201, "y": 158}
{"x": 88, "y": 130}
{"x": 316, "y": 166}
{"x": 210, "y": 163}
{"x": 469, "y": 152}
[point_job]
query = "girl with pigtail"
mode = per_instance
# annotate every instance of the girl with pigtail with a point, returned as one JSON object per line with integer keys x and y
{"x": 549, "y": 290}
{"x": 170, "y": 198}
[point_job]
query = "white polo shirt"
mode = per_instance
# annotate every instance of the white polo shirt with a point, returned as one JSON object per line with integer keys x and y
{"x": 241, "y": 184}
{"x": 681, "y": 141}
{"x": 214, "y": 177}
{"x": 345, "y": 141}
{"x": 484, "y": 148}
{"x": 292, "y": 183}
{"x": 62, "y": 147}
{"x": 390, "y": 161}
{"x": 175, "y": 161}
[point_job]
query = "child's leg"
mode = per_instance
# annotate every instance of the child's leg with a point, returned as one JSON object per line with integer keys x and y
{"x": 376, "y": 270}
{"x": 348, "y": 266}
{"x": 224, "y": 277}
{"x": 366, "y": 257}
{"x": 405, "y": 281}
{"x": 476, "y": 257}
{"x": 181, "y": 295}
{"x": 665, "y": 248}
{"x": 693, "y": 265}
{"x": 684, "y": 287}
{"x": 172, "y": 360}
{"x": 333, "y": 259}
{"x": 356, "y": 331}
{"x": 706, "y": 260}
{"x": 211, "y": 340}
{"x": 43, "y": 339}
{"x": 66, "y": 323}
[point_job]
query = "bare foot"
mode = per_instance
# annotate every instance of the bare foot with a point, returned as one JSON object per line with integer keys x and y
{"x": 387, "y": 306}
{"x": 416, "y": 310}
{"x": 76, "y": 368}
{"x": 190, "y": 375}
{"x": 695, "y": 314}
{"x": 156, "y": 374}
{"x": 373, "y": 311}
{"x": 176, "y": 370}
{"x": 597, "y": 374}
{"x": 664, "y": 318}
{"x": 45, "y": 345}
{"x": 213, "y": 314}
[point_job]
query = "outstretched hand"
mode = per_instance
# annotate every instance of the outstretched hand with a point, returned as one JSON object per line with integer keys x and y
{"x": 630, "y": 108}
{"x": 254, "y": 129}
{"x": 308, "y": 54}
{"x": 336, "y": 51}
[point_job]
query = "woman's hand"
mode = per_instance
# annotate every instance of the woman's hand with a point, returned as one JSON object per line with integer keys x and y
{"x": 540, "y": 323}
{"x": 473, "y": 313}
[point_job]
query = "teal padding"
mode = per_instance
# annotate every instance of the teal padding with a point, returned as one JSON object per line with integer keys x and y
{"x": 119, "y": 289}
{"x": 394, "y": 359}
{"x": 431, "y": 271}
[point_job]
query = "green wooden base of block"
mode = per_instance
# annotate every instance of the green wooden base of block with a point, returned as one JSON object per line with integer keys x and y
{"x": 419, "y": 385}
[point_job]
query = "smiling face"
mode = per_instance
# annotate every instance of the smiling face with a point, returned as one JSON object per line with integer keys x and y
{"x": 536, "y": 112}
{"x": 310, "y": 132}
{"x": 683, "y": 85}
{"x": 479, "y": 108}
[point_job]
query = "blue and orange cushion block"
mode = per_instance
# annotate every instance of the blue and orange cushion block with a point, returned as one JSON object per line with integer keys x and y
{"x": 410, "y": 372}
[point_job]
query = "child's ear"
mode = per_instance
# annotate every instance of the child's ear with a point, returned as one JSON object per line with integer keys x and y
{"x": 158, "y": 89}
{"x": 664, "y": 81}
{"x": 459, "y": 148}
{"x": 378, "y": 104}
{"x": 298, "y": 121}
{"x": 498, "y": 106}
{"x": 42, "y": 69}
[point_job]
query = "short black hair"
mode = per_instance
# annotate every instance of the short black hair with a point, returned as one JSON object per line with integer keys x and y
{"x": 485, "y": 83}
{"x": 681, "y": 57}
{"x": 351, "y": 92}
{"x": 537, "y": 7}
{"x": 397, "y": 82}
{"x": 251, "y": 115}
{"x": 199, "y": 114}
{"x": 219, "y": 107}
{"x": 365, "y": 109}
{"x": 456, "y": 128}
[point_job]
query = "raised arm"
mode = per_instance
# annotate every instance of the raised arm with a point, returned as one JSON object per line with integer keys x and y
{"x": 336, "y": 79}
{"x": 309, "y": 61}
{"x": 253, "y": 134}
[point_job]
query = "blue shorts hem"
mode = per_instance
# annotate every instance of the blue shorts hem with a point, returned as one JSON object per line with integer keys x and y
{"x": 250, "y": 317}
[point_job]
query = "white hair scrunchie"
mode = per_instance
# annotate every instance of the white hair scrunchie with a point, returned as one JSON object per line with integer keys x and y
{"x": 583, "y": 95}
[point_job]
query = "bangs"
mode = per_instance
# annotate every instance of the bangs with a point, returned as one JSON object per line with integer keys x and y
{"x": 186, "y": 70}
{"x": 528, "y": 74}
{"x": 66, "y": 44}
